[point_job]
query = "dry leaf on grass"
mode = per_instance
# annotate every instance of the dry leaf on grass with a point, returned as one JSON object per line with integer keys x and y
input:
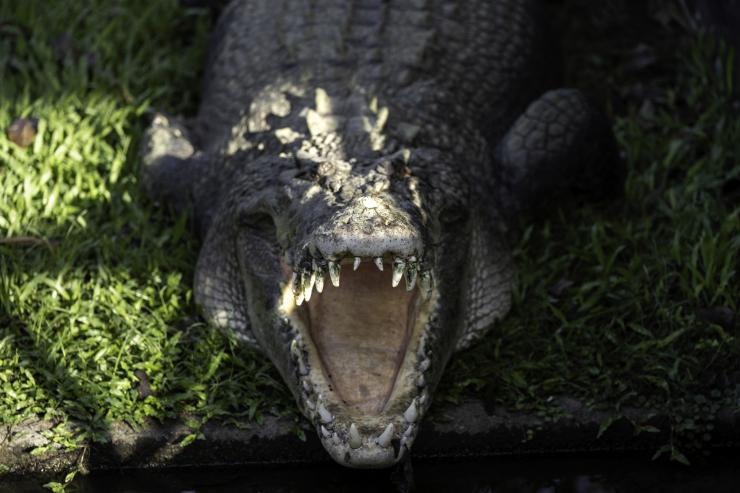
{"x": 22, "y": 131}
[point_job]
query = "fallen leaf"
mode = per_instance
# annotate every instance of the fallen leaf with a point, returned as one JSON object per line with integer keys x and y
{"x": 24, "y": 241}
{"x": 560, "y": 287}
{"x": 641, "y": 57}
{"x": 718, "y": 315}
{"x": 144, "y": 388}
{"x": 22, "y": 131}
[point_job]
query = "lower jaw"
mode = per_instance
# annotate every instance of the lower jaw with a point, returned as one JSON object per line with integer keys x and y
{"x": 408, "y": 382}
{"x": 386, "y": 433}
{"x": 381, "y": 439}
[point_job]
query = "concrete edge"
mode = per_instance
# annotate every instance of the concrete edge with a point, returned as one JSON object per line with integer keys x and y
{"x": 466, "y": 430}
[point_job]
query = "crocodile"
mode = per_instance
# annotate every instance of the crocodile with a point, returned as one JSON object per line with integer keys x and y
{"x": 353, "y": 170}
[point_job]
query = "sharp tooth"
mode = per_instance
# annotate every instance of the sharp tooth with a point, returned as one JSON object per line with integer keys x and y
{"x": 295, "y": 283}
{"x": 404, "y": 447}
{"x": 306, "y": 386}
{"x": 398, "y": 267}
{"x": 409, "y": 431}
{"x": 318, "y": 275}
{"x": 379, "y": 263}
{"x": 294, "y": 349}
{"x": 356, "y": 264}
{"x": 308, "y": 282}
{"x": 410, "y": 277}
{"x": 411, "y": 413}
{"x": 324, "y": 414}
{"x": 310, "y": 404}
{"x": 422, "y": 349}
{"x": 425, "y": 283}
{"x": 355, "y": 440}
{"x": 324, "y": 432}
{"x": 385, "y": 438}
{"x": 420, "y": 382}
{"x": 334, "y": 270}
{"x": 299, "y": 299}
{"x": 424, "y": 365}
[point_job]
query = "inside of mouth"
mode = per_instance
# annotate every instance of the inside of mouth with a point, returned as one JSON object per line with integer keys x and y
{"x": 361, "y": 331}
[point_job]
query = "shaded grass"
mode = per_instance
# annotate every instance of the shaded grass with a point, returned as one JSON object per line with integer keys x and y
{"x": 97, "y": 322}
{"x": 634, "y": 303}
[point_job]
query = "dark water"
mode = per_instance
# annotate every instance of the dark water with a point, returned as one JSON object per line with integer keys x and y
{"x": 531, "y": 475}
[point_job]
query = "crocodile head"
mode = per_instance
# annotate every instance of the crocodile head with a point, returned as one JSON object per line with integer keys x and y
{"x": 358, "y": 284}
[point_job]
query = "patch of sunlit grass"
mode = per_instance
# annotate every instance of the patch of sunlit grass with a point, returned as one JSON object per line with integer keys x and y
{"x": 96, "y": 316}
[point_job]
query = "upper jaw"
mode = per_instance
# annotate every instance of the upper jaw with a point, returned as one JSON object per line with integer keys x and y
{"x": 315, "y": 272}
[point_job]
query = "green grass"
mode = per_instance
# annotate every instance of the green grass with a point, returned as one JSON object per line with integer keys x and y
{"x": 100, "y": 297}
{"x": 105, "y": 296}
{"x": 644, "y": 276}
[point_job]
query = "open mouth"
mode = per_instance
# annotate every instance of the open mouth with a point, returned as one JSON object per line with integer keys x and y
{"x": 361, "y": 325}
{"x": 361, "y": 331}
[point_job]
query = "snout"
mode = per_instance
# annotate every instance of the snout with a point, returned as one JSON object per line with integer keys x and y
{"x": 368, "y": 227}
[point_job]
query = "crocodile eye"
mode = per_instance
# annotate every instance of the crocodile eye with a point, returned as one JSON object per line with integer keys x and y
{"x": 259, "y": 220}
{"x": 454, "y": 215}
{"x": 259, "y": 223}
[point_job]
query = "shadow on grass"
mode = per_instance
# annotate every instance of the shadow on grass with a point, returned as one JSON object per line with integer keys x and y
{"x": 175, "y": 368}
{"x": 102, "y": 326}
{"x": 97, "y": 320}
{"x": 47, "y": 354}
{"x": 97, "y": 323}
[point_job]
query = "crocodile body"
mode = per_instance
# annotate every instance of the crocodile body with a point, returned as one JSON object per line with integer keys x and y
{"x": 352, "y": 170}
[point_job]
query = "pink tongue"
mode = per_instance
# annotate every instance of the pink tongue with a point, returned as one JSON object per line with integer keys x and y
{"x": 360, "y": 330}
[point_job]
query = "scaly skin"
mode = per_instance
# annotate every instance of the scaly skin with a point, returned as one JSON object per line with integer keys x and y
{"x": 406, "y": 131}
